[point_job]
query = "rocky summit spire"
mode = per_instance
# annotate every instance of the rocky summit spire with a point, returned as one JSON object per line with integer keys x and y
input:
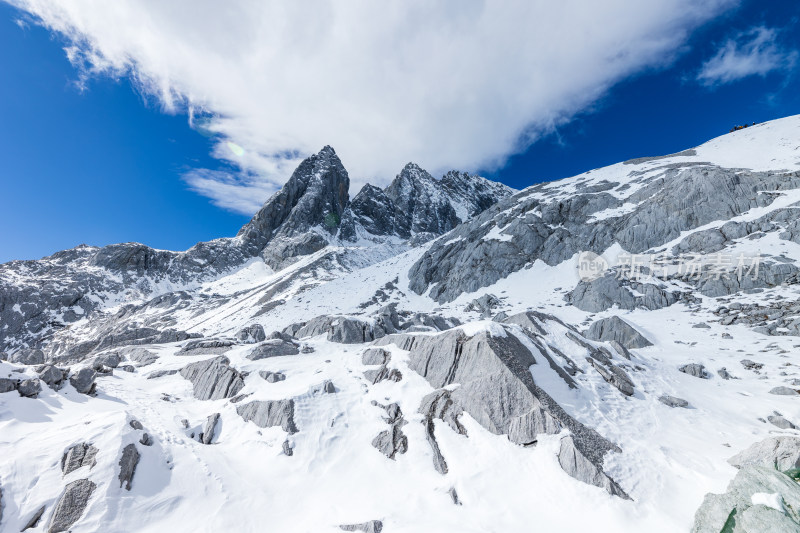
{"x": 315, "y": 196}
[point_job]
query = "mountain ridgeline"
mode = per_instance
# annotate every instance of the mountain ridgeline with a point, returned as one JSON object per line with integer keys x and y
{"x": 586, "y": 354}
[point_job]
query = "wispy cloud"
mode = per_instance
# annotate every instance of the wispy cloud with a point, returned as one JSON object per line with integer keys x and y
{"x": 756, "y": 52}
{"x": 455, "y": 84}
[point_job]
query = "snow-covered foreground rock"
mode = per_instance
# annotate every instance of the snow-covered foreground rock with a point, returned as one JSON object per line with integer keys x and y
{"x": 612, "y": 352}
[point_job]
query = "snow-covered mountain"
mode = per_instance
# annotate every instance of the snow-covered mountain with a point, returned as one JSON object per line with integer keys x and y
{"x": 440, "y": 355}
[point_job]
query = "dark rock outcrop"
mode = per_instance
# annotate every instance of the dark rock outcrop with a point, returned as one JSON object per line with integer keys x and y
{"x": 270, "y": 413}
{"x": 70, "y": 505}
{"x": 127, "y": 465}
{"x": 78, "y": 456}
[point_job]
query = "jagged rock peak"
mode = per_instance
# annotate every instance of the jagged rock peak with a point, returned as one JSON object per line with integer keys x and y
{"x": 315, "y": 196}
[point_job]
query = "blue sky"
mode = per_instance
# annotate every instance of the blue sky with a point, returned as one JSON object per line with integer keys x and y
{"x": 103, "y": 160}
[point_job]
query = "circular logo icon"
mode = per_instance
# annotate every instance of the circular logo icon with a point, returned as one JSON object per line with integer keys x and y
{"x": 591, "y": 266}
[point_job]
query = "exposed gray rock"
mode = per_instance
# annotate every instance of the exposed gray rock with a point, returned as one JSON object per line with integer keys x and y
{"x": 251, "y": 334}
{"x": 83, "y": 380}
{"x": 383, "y": 373}
{"x": 781, "y": 422}
{"x": 392, "y": 441}
{"x": 140, "y": 355}
{"x": 53, "y": 376}
{"x": 70, "y": 505}
{"x": 454, "y": 496}
{"x": 484, "y": 305}
{"x": 206, "y": 347}
{"x": 34, "y": 519}
{"x": 77, "y": 456}
{"x": 8, "y": 385}
{"x": 29, "y": 388}
{"x": 701, "y": 325}
{"x": 578, "y": 466}
{"x": 146, "y": 440}
{"x": 287, "y": 448}
{"x": 616, "y": 329}
{"x": 161, "y": 373}
{"x": 373, "y": 526}
{"x": 207, "y": 436}
{"x": 695, "y": 369}
{"x": 127, "y": 465}
{"x": 672, "y": 401}
{"x": 127, "y": 368}
{"x": 213, "y": 379}
{"x": 270, "y": 413}
{"x": 496, "y": 387}
{"x": 350, "y": 331}
{"x": 614, "y": 375}
{"x": 751, "y": 365}
{"x": 110, "y": 360}
{"x": 135, "y": 424}
{"x": 326, "y": 387}
{"x": 783, "y": 391}
{"x": 724, "y": 374}
{"x": 375, "y": 356}
{"x": 782, "y": 453}
{"x": 271, "y": 377}
{"x": 27, "y": 356}
{"x": 273, "y": 348}
{"x": 735, "y": 512}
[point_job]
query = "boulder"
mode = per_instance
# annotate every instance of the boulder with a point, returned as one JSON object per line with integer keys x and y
{"x": 271, "y": 377}
{"x": 616, "y": 329}
{"x": 146, "y": 440}
{"x": 483, "y": 305}
{"x": 127, "y": 465}
{"x": 782, "y": 453}
{"x": 53, "y": 376}
{"x": 110, "y": 360}
{"x": 161, "y": 373}
{"x": 375, "y": 356}
{"x": 273, "y": 348}
{"x": 29, "y": 388}
{"x": 392, "y": 441}
{"x": 70, "y": 505}
{"x": 213, "y": 379}
{"x": 724, "y": 374}
{"x": 206, "y": 347}
{"x": 251, "y": 334}
{"x": 83, "y": 380}
{"x": 135, "y": 424}
{"x": 350, "y": 331}
{"x": 326, "y": 387}
{"x": 78, "y": 456}
{"x": 210, "y": 428}
{"x": 695, "y": 369}
{"x": 383, "y": 373}
{"x": 287, "y": 448}
{"x": 751, "y": 365}
{"x": 672, "y": 401}
{"x": 270, "y": 413}
{"x": 8, "y": 385}
{"x": 756, "y": 500}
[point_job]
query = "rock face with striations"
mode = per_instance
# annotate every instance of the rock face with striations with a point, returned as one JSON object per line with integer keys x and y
{"x": 77, "y": 456}
{"x": 70, "y": 505}
{"x": 498, "y": 391}
{"x": 269, "y": 414}
{"x": 213, "y": 379}
{"x": 127, "y": 465}
{"x": 616, "y": 329}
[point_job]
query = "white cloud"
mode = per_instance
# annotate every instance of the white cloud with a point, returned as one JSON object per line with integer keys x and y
{"x": 755, "y": 52}
{"x": 460, "y": 84}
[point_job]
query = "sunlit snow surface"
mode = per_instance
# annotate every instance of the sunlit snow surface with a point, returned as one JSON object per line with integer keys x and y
{"x": 243, "y": 481}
